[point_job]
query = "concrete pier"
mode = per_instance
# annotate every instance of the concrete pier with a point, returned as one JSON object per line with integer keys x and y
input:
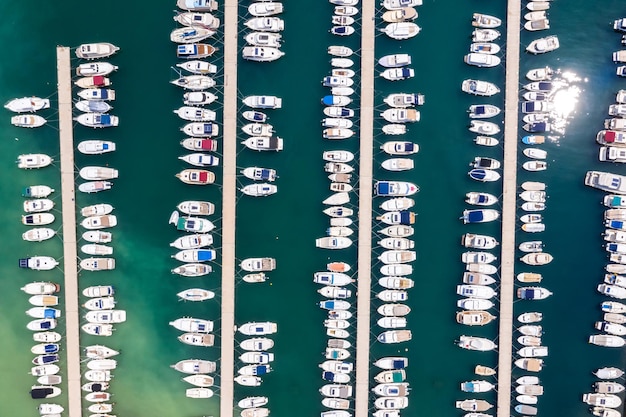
{"x": 66, "y": 141}
{"x": 509, "y": 205}
{"x": 229, "y": 189}
{"x": 366, "y": 147}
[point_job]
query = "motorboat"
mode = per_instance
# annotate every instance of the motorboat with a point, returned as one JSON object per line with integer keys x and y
{"x": 193, "y": 241}
{"x": 44, "y": 370}
{"x": 609, "y": 373}
{"x": 400, "y": 115}
{"x": 480, "y": 199}
{"x": 254, "y": 370}
{"x": 99, "y": 352}
{"x": 258, "y": 264}
{"x": 404, "y": 14}
{"x": 259, "y": 189}
{"x": 196, "y": 176}
{"x": 543, "y": 45}
{"x": 44, "y": 391}
{"x": 535, "y": 153}
{"x": 531, "y": 246}
{"x": 98, "y": 94}
{"x": 478, "y": 257}
{"x": 534, "y": 165}
{"x": 479, "y": 88}
{"x": 27, "y": 104}
{"x": 198, "y": 98}
{"x": 537, "y": 258}
{"x": 99, "y": 222}
{"x": 484, "y": 175}
{"x": 396, "y": 74}
{"x": 97, "y": 329}
{"x": 198, "y": 67}
{"x": 395, "y": 188}
{"x": 41, "y": 288}
{"x": 96, "y": 249}
{"x": 97, "y": 173}
{"x": 611, "y": 137}
{"x": 200, "y": 159}
{"x": 400, "y": 148}
{"x": 485, "y": 35}
{"x": 197, "y": 5}
{"x": 332, "y": 278}
{"x": 604, "y": 400}
{"x": 534, "y": 196}
{"x": 396, "y": 283}
{"x": 194, "y": 82}
{"x": 401, "y": 30}
{"x": 261, "y": 53}
{"x": 393, "y": 295}
{"x": 486, "y": 141}
{"x": 483, "y": 127}
{"x": 483, "y": 111}
{"x": 397, "y": 204}
{"x": 92, "y": 81}
{"x": 97, "y": 120}
{"x": 395, "y": 60}
{"x": 538, "y": 5}
{"x": 194, "y": 50}
{"x": 474, "y": 318}
{"x": 475, "y": 291}
{"x": 97, "y": 264}
{"x": 535, "y": 25}
{"x": 263, "y": 143}
{"x": 338, "y": 112}
{"x": 337, "y": 133}
{"x": 477, "y": 386}
{"x": 485, "y": 21}
{"x": 399, "y": 4}
{"x": 100, "y": 303}
{"x": 396, "y": 243}
{"x": 477, "y": 278}
{"x": 96, "y": 50}
{"x": 608, "y": 387}
{"x": 195, "y": 366}
{"x": 195, "y": 114}
{"x": 192, "y": 325}
{"x": 333, "y": 242}
{"x": 612, "y": 290}
{"x": 265, "y": 24}
{"x": 38, "y": 263}
{"x": 338, "y": 212}
{"x": 98, "y": 376}
{"x": 38, "y": 205}
{"x": 540, "y": 74}
{"x": 341, "y": 62}
{"x": 342, "y": 29}
{"x": 470, "y": 240}
{"x": 403, "y": 217}
{"x": 473, "y": 405}
{"x": 481, "y": 60}
{"x": 28, "y": 120}
{"x": 394, "y": 336}
{"x": 195, "y": 255}
{"x": 613, "y": 307}
{"x": 480, "y": 216}
{"x": 485, "y": 163}
{"x": 96, "y": 147}
{"x": 192, "y": 34}
{"x": 192, "y": 270}
{"x": 610, "y": 328}
{"x": 338, "y": 156}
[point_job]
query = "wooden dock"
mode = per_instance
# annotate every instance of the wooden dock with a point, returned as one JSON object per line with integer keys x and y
{"x": 229, "y": 189}
{"x": 66, "y": 142}
{"x": 509, "y": 205}
{"x": 366, "y": 146}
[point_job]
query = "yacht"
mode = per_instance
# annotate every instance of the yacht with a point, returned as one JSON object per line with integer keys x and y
{"x": 261, "y": 53}
{"x": 95, "y": 68}
{"x": 198, "y": 67}
{"x": 195, "y": 50}
{"x": 401, "y": 30}
{"x": 190, "y": 34}
{"x": 397, "y": 74}
{"x": 481, "y": 60}
{"x": 27, "y": 104}
{"x": 403, "y": 100}
{"x": 479, "y": 88}
{"x": 96, "y": 147}
{"x": 476, "y": 343}
{"x": 96, "y": 50}
{"x": 265, "y": 24}
{"x": 543, "y": 45}
{"x": 395, "y": 60}
{"x": 263, "y": 143}
{"x": 483, "y": 111}
{"x": 28, "y": 120}
{"x": 259, "y": 189}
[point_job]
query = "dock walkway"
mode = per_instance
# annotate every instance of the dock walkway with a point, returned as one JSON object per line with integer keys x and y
{"x": 366, "y": 147}
{"x": 70, "y": 265}
{"x": 509, "y": 205}
{"x": 229, "y": 188}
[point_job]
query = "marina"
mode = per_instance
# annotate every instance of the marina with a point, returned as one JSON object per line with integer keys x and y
{"x": 410, "y": 205}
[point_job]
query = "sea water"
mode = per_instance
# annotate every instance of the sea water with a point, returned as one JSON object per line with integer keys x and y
{"x": 285, "y": 225}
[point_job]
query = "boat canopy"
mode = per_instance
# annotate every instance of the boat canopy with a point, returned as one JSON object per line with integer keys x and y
{"x": 38, "y": 393}
{"x": 383, "y": 188}
{"x": 609, "y": 136}
{"x": 475, "y": 216}
{"x": 529, "y": 293}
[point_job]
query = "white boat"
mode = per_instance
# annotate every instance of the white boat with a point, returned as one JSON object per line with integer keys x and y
{"x": 483, "y": 111}
{"x": 477, "y": 386}
{"x": 333, "y": 242}
{"x": 474, "y": 318}
{"x": 261, "y": 53}
{"x": 97, "y": 81}
{"x": 263, "y": 143}
{"x": 98, "y": 329}
{"x": 531, "y": 330}
{"x": 543, "y": 45}
{"x": 394, "y": 129}
{"x": 399, "y": 4}
{"x": 608, "y": 373}
{"x": 396, "y": 243}
{"x": 27, "y": 104}
{"x": 196, "y": 208}
{"x": 481, "y": 60}
{"x": 198, "y": 67}
{"x": 478, "y": 257}
{"x": 604, "y": 400}
{"x": 483, "y": 127}
{"x": 534, "y": 165}
{"x": 480, "y": 216}
{"x": 265, "y": 24}
{"x": 200, "y": 159}
{"x": 392, "y": 295}
{"x": 395, "y": 60}
{"x": 480, "y": 199}
{"x": 97, "y": 94}
{"x": 533, "y": 351}
{"x": 393, "y": 310}
{"x": 397, "y": 204}
{"x": 192, "y": 325}
{"x": 192, "y": 270}
{"x": 475, "y": 291}
{"x": 96, "y": 50}
{"x": 99, "y": 222}
{"x": 470, "y": 240}
{"x": 397, "y": 74}
{"x": 343, "y": 27}
{"x": 199, "y": 380}
{"x": 485, "y": 35}
{"x": 258, "y": 328}
{"x": 479, "y": 88}
{"x": 259, "y": 189}
{"x": 190, "y": 34}
{"x": 96, "y": 173}
{"x": 194, "y": 82}
{"x": 99, "y": 352}
{"x": 98, "y": 264}
{"x": 341, "y": 62}
{"x": 41, "y": 288}
{"x": 337, "y": 133}
{"x": 338, "y": 50}
{"x": 97, "y": 120}
{"x": 38, "y": 205}
{"x": 608, "y": 387}
{"x": 396, "y": 283}
{"x": 486, "y": 141}
{"x": 476, "y": 343}
{"x": 195, "y": 255}
{"x": 193, "y": 241}
{"x": 537, "y": 258}
{"x": 401, "y": 30}
{"x": 489, "y": 48}
{"x": 198, "y": 98}
{"x": 196, "y": 294}
{"x": 96, "y": 249}
{"x": 403, "y": 100}
{"x": 399, "y": 115}
{"x": 196, "y": 176}
{"x": 337, "y": 156}
{"x": 195, "y": 114}
{"x": 477, "y": 278}
{"x": 394, "y": 336}
{"x": 49, "y": 408}
{"x": 610, "y": 328}
{"x": 332, "y": 278}
{"x": 35, "y": 160}
{"x": 96, "y": 147}
{"x": 195, "y": 366}
{"x": 38, "y": 263}
{"x": 404, "y": 14}
{"x": 485, "y": 21}
{"x": 338, "y": 168}
{"x": 100, "y": 303}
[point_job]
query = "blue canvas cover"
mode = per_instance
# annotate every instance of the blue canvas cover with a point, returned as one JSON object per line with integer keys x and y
{"x": 475, "y": 216}
{"x": 382, "y": 188}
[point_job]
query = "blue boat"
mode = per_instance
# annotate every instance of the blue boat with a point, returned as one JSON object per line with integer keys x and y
{"x": 615, "y": 224}
{"x": 533, "y": 140}
{"x": 45, "y": 359}
{"x": 336, "y": 100}
{"x": 196, "y": 255}
{"x": 47, "y": 348}
{"x": 395, "y": 188}
{"x": 479, "y": 216}
{"x": 334, "y": 304}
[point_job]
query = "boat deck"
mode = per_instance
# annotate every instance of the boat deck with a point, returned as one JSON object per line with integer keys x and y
{"x": 229, "y": 189}
{"x": 509, "y": 195}
{"x": 72, "y": 319}
{"x": 366, "y": 128}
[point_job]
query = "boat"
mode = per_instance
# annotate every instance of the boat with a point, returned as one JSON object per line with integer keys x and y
{"x": 254, "y": 370}
{"x": 196, "y": 294}
{"x": 198, "y": 67}
{"x": 534, "y": 166}
{"x": 475, "y": 291}
{"x": 529, "y": 364}
{"x": 533, "y": 351}
{"x": 533, "y": 196}
{"x": 478, "y": 257}
{"x": 611, "y": 328}
{"x": 96, "y": 249}
{"x": 536, "y": 258}
{"x": 192, "y": 34}
{"x": 401, "y": 30}
{"x": 38, "y": 205}
{"x": 484, "y": 128}
{"x": 198, "y": 393}
{"x": 333, "y": 242}
{"x": 531, "y": 246}
{"x": 41, "y": 288}
{"x": 481, "y": 60}
{"x": 258, "y": 328}
{"x": 485, "y": 21}
{"x": 99, "y": 352}
{"x": 396, "y": 243}
{"x": 399, "y": 4}
{"x": 608, "y": 373}
{"x": 477, "y": 278}
{"x": 95, "y": 69}
{"x": 615, "y": 123}
{"x": 474, "y": 318}
{"x": 470, "y": 240}
{"x": 332, "y": 278}
{"x": 404, "y": 14}
{"x": 604, "y": 400}
{"x": 397, "y": 217}
{"x": 337, "y": 133}
{"x": 97, "y": 94}
{"x": 99, "y": 222}
{"x": 477, "y": 386}
{"x": 396, "y": 283}
{"x": 473, "y": 405}
{"x": 195, "y": 50}
{"x": 403, "y": 100}
{"x": 197, "y": 5}
{"x": 397, "y": 204}
{"x": 401, "y": 115}
{"x": 263, "y": 143}
{"x": 96, "y": 147}
{"x": 193, "y": 241}
{"x": 479, "y": 88}
{"x": 486, "y": 141}
{"x": 96, "y": 50}
{"x": 195, "y": 255}
{"x": 195, "y": 114}
{"x": 343, "y": 29}
{"x": 195, "y": 366}
{"x": 100, "y": 303}
{"x": 258, "y": 264}
{"x": 397, "y": 74}
{"x": 395, "y": 188}
{"x": 605, "y": 412}
{"x": 483, "y": 111}
{"x": 98, "y": 329}
{"x": 38, "y": 263}
{"x": 92, "y": 81}
{"x": 480, "y": 216}
{"x": 543, "y": 45}
{"x": 98, "y": 376}
{"x": 96, "y": 173}
{"x": 261, "y": 53}
{"x": 27, "y": 104}
{"x": 393, "y": 295}
{"x": 395, "y": 60}
{"x": 198, "y": 98}
{"x": 540, "y": 74}
{"x": 98, "y": 264}
{"x": 337, "y": 156}
{"x": 535, "y": 25}
{"x": 44, "y": 391}
{"x": 44, "y": 349}
{"x": 484, "y": 175}
{"x": 97, "y": 120}
{"x": 44, "y": 370}
{"x": 341, "y": 62}
{"x": 485, "y": 35}
{"x": 480, "y": 199}
{"x": 34, "y": 160}
{"x": 196, "y": 176}
{"x": 394, "y": 336}
{"x": 535, "y": 153}
{"x": 265, "y": 24}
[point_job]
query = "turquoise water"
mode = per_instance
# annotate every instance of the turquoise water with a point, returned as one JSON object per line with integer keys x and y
{"x": 285, "y": 225}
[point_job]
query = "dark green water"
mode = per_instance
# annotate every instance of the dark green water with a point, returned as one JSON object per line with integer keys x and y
{"x": 285, "y": 225}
